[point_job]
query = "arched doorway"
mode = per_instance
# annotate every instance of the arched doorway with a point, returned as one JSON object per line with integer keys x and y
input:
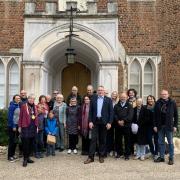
{"x": 75, "y": 75}
{"x": 47, "y": 54}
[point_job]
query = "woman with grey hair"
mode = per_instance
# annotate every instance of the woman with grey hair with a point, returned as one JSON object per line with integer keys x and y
{"x": 59, "y": 110}
{"x": 141, "y": 138}
{"x": 28, "y": 124}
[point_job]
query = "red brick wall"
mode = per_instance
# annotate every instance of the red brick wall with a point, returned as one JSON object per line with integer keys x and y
{"x": 138, "y": 26}
{"x": 11, "y": 25}
{"x": 144, "y": 27}
{"x": 153, "y": 27}
{"x": 169, "y": 43}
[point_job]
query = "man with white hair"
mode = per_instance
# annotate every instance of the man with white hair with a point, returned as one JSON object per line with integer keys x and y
{"x": 90, "y": 90}
{"x": 23, "y": 95}
{"x": 123, "y": 114}
{"x": 166, "y": 122}
{"x": 49, "y": 102}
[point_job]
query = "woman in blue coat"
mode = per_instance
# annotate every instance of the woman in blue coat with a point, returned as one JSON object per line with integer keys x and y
{"x": 13, "y": 118}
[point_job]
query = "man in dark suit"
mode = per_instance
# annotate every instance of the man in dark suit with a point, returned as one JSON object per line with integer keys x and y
{"x": 100, "y": 119}
{"x": 123, "y": 114}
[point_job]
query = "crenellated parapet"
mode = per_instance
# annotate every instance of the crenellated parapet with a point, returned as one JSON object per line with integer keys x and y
{"x": 51, "y": 7}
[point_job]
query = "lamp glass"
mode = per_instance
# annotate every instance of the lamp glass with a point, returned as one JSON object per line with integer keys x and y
{"x": 70, "y": 58}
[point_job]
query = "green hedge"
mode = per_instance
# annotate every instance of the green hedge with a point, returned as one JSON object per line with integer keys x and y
{"x": 3, "y": 128}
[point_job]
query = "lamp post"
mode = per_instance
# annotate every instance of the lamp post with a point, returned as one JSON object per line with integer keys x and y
{"x": 70, "y": 52}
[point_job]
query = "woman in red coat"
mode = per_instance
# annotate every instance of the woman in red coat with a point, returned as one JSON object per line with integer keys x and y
{"x": 28, "y": 127}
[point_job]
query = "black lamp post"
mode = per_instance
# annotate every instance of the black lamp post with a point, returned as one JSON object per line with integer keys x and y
{"x": 70, "y": 52}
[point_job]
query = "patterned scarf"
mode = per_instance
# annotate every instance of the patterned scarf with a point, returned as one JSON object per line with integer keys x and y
{"x": 85, "y": 122}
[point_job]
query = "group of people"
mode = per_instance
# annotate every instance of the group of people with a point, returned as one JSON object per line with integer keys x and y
{"x": 119, "y": 125}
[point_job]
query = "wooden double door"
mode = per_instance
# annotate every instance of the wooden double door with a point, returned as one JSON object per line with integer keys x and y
{"x": 75, "y": 75}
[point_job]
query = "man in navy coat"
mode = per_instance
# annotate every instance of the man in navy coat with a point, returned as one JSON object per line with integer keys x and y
{"x": 100, "y": 119}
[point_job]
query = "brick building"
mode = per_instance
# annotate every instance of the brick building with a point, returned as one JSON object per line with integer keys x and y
{"x": 118, "y": 43}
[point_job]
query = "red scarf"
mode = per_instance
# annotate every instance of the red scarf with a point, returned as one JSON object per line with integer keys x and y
{"x": 85, "y": 121}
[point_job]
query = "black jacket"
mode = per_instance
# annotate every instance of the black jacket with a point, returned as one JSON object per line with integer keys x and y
{"x": 143, "y": 125}
{"x": 78, "y": 97}
{"x": 171, "y": 115}
{"x": 107, "y": 110}
{"x": 124, "y": 113}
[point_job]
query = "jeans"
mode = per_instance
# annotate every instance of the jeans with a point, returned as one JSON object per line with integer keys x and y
{"x": 50, "y": 147}
{"x": 140, "y": 149}
{"x": 153, "y": 145}
{"x": 161, "y": 140}
{"x": 58, "y": 138}
{"x": 13, "y": 136}
{"x": 61, "y": 127}
{"x": 39, "y": 144}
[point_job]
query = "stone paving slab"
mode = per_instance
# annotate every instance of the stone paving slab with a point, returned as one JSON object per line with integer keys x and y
{"x": 66, "y": 167}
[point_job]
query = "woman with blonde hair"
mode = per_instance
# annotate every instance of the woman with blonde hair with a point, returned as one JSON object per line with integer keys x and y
{"x": 110, "y": 141}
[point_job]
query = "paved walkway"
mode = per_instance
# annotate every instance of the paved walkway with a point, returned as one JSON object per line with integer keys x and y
{"x": 67, "y": 167}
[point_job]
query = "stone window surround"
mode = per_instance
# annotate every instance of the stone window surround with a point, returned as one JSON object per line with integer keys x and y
{"x": 143, "y": 59}
{"x": 7, "y": 62}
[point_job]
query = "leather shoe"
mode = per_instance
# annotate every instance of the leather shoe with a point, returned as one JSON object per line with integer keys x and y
{"x": 159, "y": 159}
{"x": 89, "y": 160}
{"x": 101, "y": 160}
{"x": 24, "y": 163}
{"x": 171, "y": 161}
{"x": 30, "y": 161}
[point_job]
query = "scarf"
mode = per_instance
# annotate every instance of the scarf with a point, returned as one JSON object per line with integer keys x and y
{"x": 138, "y": 112}
{"x": 85, "y": 121}
{"x": 132, "y": 101}
{"x": 164, "y": 105}
{"x": 151, "y": 108}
